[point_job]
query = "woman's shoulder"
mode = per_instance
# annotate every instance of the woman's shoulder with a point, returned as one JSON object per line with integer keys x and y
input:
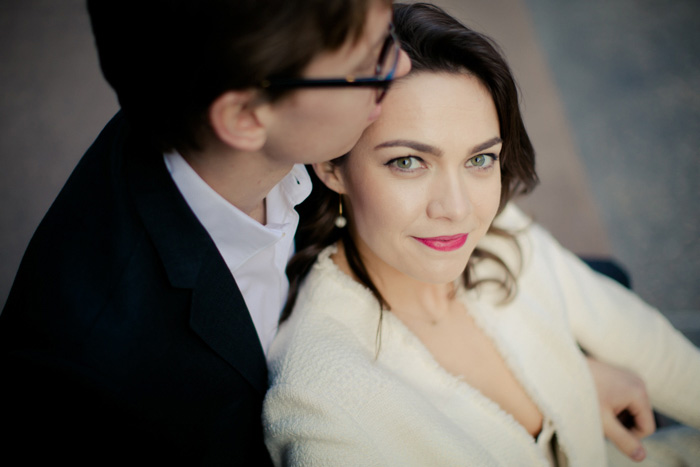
{"x": 328, "y": 295}
{"x": 512, "y": 218}
{"x": 333, "y": 325}
{"x": 526, "y": 244}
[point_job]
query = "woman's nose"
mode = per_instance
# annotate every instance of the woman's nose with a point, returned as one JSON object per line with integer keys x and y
{"x": 450, "y": 199}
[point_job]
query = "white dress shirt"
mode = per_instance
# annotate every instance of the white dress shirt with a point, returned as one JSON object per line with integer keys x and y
{"x": 255, "y": 254}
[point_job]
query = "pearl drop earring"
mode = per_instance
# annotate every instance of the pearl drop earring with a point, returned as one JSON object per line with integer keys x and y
{"x": 340, "y": 221}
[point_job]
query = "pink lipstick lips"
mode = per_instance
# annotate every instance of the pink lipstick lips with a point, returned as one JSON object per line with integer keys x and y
{"x": 448, "y": 243}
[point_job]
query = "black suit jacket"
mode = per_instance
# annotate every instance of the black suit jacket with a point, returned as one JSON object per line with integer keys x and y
{"x": 125, "y": 337}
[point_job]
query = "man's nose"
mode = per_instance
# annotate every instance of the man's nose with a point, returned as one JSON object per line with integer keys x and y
{"x": 403, "y": 66}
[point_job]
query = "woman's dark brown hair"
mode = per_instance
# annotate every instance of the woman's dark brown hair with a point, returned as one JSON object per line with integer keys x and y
{"x": 435, "y": 43}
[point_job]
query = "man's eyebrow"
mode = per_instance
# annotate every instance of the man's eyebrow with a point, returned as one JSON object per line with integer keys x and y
{"x": 380, "y": 41}
{"x": 406, "y": 143}
{"x": 486, "y": 144}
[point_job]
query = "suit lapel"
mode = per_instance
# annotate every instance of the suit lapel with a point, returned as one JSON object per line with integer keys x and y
{"x": 221, "y": 318}
{"x": 218, "y": 312}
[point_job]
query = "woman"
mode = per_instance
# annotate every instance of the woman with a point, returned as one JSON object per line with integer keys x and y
{"x": 435, "y": 324}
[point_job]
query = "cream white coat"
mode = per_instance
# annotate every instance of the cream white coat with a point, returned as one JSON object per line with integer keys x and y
{"x": 335, "y": 401}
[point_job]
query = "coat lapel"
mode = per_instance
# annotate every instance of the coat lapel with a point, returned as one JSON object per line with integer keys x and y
{"x": 221, "y": 318}
{"x": 218, "y": 312}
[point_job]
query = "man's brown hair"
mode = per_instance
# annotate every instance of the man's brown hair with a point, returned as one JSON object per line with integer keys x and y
{"x": 168, "y": 60}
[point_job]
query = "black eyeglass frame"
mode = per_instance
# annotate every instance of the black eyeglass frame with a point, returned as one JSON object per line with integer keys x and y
{"x": 382, "y": 83}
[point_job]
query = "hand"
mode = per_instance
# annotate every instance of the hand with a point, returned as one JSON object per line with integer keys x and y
{"x": 624, "y": 407}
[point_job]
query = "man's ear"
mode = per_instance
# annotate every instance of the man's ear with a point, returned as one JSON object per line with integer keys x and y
{"x": 330, "y": 175}
{"x": 234, "y": 119}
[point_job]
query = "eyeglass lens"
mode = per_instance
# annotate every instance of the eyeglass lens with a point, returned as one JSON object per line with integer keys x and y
{"x": 387, "y": 62}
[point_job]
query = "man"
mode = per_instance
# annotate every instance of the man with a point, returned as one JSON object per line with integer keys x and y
{"x": 137, "y": 324}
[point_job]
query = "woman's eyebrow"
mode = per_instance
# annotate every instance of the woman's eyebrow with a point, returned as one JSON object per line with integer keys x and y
{"x": 415, "y": 145}
{"x": 427, "y": 148}
{"x": 486, "y": 144}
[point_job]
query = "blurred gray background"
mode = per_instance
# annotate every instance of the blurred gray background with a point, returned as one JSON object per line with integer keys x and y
{"x": 610, "y": 91}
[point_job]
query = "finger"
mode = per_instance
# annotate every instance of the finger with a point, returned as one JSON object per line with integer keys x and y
{"x": 622, "y": 438}
{"x": 640, "y": 415}
{"x": 644, "y": 424}
{"x": 627, "y": 419}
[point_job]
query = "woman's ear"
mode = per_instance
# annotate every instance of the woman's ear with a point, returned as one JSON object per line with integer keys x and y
{"x": 330, "y": 175}
{"x": 234, "y": 119}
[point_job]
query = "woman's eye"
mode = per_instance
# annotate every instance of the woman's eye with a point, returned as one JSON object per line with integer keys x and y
{"x": 406, "y": 163}
{"x": 482, "y": 161}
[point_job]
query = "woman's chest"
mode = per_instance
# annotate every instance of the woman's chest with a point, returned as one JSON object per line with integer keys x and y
{"x": 465, "y": 351}
{"x": 511, "y": 367}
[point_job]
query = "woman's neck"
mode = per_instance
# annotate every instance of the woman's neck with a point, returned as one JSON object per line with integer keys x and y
{"x": 405, "y": 295}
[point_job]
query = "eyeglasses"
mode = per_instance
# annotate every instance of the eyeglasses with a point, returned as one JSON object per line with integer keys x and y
{"x": 383, "y": 73}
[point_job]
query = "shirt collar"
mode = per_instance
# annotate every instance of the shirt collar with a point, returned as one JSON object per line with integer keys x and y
{"x": 236, "y": 235}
